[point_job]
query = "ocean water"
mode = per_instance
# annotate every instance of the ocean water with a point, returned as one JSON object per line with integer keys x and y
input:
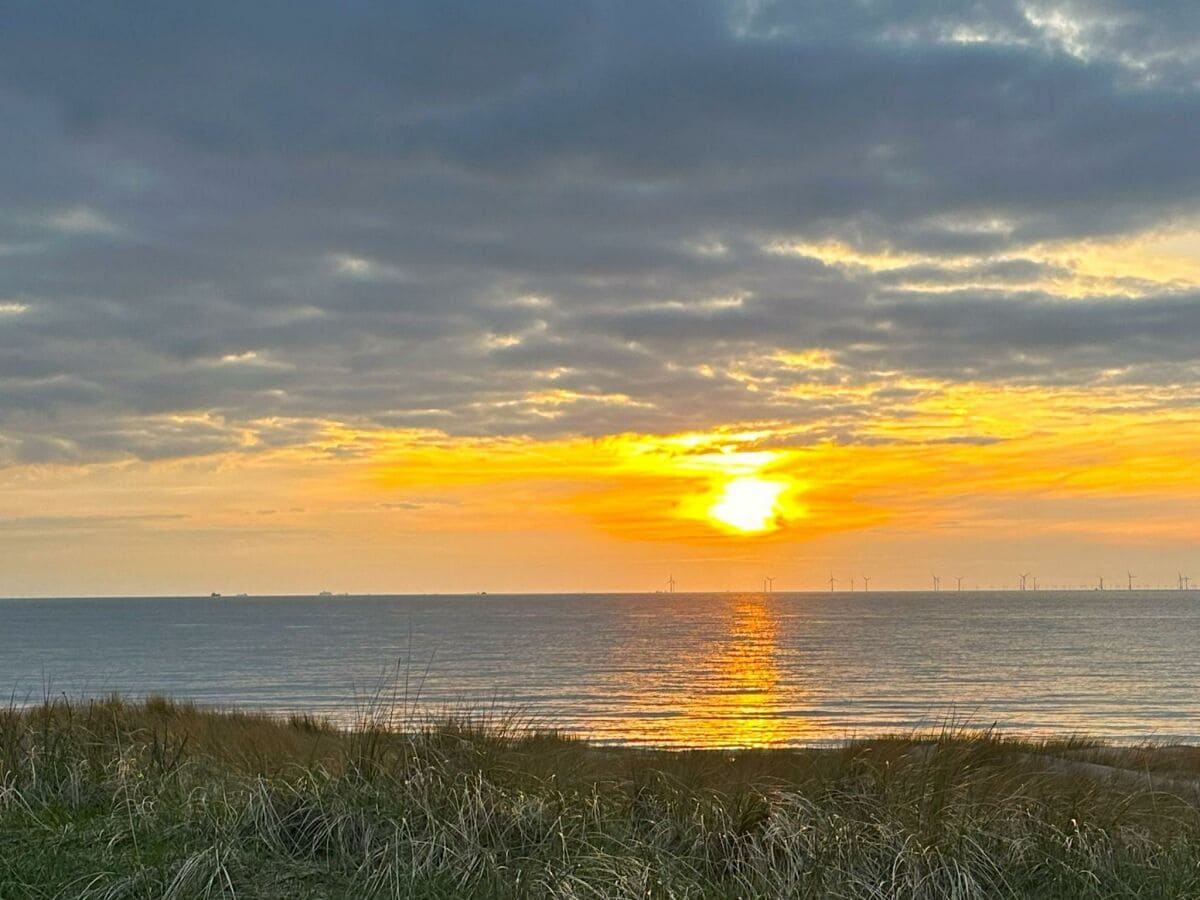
{"x": 723, "y": 669}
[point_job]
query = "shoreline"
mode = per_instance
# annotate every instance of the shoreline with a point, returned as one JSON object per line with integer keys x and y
{"x": 386, "y": 712}
{"x": 433, "y": 717}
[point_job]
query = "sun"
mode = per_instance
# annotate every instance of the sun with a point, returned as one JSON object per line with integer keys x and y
{"x": 748, "y": 504}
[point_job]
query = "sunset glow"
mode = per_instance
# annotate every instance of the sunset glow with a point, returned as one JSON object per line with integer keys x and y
{"x": 748, "y": 504}
{"x": 1071, "y": 472}
{"x": 529, "y": 324}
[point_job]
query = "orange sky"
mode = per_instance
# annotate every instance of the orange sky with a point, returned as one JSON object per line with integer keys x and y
{"x": 1072, "y": 485}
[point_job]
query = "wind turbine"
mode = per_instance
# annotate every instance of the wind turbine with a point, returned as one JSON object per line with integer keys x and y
{"x": 866, "y": 583}
{"x": 671, "y": 584}
{"x": 768, "y": 585}
{"x": 1035, "y": 587}
{"x": 851, "y": 582}
{"x": 1130, "y": 574}
{"x": 832, "y": 582}
{"x": 1184, "y": 581}
{"x": 1024, "y": 575}
{"x": 959, "y": 579}
{"x": 1101, "y": 582}
{"x": 937, "y": 583}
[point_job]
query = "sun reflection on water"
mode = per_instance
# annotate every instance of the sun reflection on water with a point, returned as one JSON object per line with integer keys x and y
{"x": 738, "y": 703}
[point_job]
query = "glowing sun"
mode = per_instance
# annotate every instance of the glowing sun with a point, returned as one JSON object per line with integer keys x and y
{"x": 748, "y": 504}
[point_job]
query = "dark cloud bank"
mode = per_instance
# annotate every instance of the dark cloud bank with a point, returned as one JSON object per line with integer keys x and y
{"x": 421, "y": 214}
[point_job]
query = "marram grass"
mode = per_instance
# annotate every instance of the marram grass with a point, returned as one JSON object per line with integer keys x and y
{"x": 111, "y": 799}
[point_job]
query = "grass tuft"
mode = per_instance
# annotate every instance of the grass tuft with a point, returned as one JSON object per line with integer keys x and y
{"x": 159, "y": 799}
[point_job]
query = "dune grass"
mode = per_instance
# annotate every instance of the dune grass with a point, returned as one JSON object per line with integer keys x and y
{"x": 157, "y": 799}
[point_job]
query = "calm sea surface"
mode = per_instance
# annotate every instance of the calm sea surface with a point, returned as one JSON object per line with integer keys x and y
{"x": 679, "y": 669}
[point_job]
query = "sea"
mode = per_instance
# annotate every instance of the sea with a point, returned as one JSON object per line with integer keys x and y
{"x": 668, "y": 670}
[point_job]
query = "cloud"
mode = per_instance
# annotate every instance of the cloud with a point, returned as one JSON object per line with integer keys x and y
{"x": 81, "y": 220}
{"x": 20, "y": 527}
{"x": 542, "y": 218}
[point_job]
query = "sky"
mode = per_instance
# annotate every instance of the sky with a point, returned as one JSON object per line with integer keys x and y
{"x": 559, "y": 296}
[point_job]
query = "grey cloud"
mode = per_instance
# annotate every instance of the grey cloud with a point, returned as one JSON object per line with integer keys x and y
{"x": 1019, "y": 271}
{"x": 18, "y": 527}
{"x": 622, "y": 162}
